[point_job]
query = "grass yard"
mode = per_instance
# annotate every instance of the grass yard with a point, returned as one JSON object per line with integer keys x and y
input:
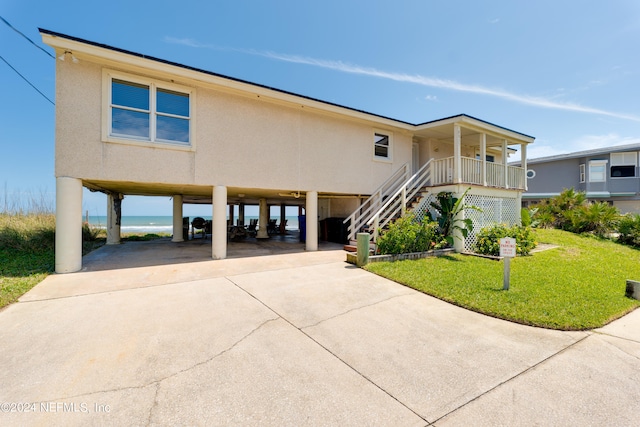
{"x": 579, "y": 285}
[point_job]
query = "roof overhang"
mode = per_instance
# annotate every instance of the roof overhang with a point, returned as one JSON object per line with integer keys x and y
{"x": 111, "y": 56}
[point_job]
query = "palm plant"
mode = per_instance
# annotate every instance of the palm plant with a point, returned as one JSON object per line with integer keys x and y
{"x": 447, "y": 208}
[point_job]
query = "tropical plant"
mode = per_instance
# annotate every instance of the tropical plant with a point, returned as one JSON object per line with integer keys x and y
{"x": 447, "y": 209}
{"x": 629, "y": 230}
{"x": 597, "y": 218}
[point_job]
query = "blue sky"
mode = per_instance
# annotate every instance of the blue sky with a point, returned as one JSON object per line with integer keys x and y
{"x": 566, "y": 72}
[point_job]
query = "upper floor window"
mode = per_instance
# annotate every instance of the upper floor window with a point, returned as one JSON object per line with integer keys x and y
{"x": 623, "y": 165}
{"x": 149, "y": 111}
{"x": 582, "y": 173}
{"x": 597, "y": 171}
{"x": 381, "y": 146}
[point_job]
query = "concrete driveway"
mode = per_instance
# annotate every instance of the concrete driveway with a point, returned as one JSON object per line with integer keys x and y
{"x": 294, "y": 339}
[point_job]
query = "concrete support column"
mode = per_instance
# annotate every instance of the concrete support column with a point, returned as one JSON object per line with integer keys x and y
{"x": 68, "y": 225}
{"x": 241, "y": 213}
{"x": 177, "y": 219}
{"x": 483, "y": 157}
{"x": 114, "y": 217}
{"x": 457, "y": 154}
{"x": 232, "y": 214}
{"x": 311, "y": 209}
{"x": 283, "y": 218}
{"x": 219, "y": 222}
{"x": 264, "y": 220}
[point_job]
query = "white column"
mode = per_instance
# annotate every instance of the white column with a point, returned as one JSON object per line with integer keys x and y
{"x": 232, "y": 214}
{"x": 263, "y": 221}
{"x": 241, "y": 213}
{"x": 219, "y": 222}
{"x": 457, "y": 160}
{"x": 506, "y": 166}
{"x": 113, "y": 218}
{"x": 483, "y": 157}
{"x": 523, "y": 162}
{"x": 177, "y": 219}
{"x": 68, "y": 225}
{"x": 311, "y": 209}
{"x": 283, "y": 217}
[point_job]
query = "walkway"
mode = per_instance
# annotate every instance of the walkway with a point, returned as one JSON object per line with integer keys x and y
{"x": 295, "y": 339}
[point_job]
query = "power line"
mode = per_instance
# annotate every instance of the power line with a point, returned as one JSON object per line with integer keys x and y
{"x": 28, "y": 39}
{"x": 25, "y": 79}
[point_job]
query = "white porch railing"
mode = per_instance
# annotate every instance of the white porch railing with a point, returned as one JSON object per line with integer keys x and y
{"x": 471, "y": 173}
{"x": 393, "y": 197}
{"x": 358, "y": 219}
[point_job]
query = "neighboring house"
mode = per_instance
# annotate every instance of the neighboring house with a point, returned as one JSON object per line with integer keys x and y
{"x": 130, "y": 124}
{"x": 605, "y": 174}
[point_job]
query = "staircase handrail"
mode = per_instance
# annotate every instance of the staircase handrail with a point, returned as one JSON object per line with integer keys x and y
{"x": 422, "y": 179}
{"x": 356, "y": 216}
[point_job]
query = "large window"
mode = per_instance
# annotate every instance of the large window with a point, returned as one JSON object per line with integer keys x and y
{"x": 623, "y": 165}
{"x": 149, "y": 111}
{"x": 597, "y": 171}
{"x": 382, "y": 146}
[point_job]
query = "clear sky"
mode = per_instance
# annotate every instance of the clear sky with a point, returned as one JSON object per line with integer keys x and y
{"x": 564, "y": 71}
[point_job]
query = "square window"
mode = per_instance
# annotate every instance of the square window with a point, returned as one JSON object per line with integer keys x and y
{"x": 597, "y": 171}
{"x": 381, "y": 146}
{"x": 149, "y": 111}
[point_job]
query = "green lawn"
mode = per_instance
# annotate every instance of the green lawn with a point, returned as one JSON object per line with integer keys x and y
{"x": 579, "y": 285}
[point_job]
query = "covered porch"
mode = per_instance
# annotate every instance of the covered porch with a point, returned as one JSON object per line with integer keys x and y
{"x": 466, "y": 150}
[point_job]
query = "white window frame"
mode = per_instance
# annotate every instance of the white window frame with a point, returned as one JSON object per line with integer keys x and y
{"x": 389, "y": 135}
{"x": 624, "y": 159}
{"x": 583, "y": 174}
{"x": 598, "y": 163}
{"x": 154, "y": 84}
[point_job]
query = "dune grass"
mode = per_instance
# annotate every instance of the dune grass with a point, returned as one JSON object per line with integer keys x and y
{"x": 27, "y": 250}
{"x": 578, "y": 285}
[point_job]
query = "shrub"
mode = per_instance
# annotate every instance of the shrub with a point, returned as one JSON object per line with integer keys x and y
{"x": 488, "y": 239}
{"x": 629, "y": 230}
{"x": 406, "y": 235}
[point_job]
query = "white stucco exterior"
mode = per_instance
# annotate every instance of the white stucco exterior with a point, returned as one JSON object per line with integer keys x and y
{"x": 247, "y": 142}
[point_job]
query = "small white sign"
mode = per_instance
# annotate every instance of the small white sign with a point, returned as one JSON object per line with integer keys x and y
{"x": 508, "y": 247}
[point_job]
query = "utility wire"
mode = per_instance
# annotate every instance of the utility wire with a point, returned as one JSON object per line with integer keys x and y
{"x": 28, "y": 39}
{"x": 25, "y": 79}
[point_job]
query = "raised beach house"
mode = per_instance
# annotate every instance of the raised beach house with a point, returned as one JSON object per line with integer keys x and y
{"x": 130, "y": 124}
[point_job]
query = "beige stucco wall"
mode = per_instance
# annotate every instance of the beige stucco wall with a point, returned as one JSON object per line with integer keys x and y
{"x": 239, "y": 141}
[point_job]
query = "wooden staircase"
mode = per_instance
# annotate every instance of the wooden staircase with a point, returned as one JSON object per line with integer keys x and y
{"x": 397, "y": 196}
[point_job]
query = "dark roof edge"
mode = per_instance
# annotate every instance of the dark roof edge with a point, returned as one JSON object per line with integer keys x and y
{"x": 211, "y": 73}
{"x": 585, "y": 153}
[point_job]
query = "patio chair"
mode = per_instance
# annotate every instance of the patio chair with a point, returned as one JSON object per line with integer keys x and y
{"x": 198, "y": 226}
{"x": 271, "y": 227}
{"x": 251, "y": 228}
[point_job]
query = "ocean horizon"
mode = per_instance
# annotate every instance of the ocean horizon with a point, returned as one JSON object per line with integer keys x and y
{"x": 164, "y": 224}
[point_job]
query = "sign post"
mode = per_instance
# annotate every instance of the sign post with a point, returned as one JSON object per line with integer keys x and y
{"x": 507, "y": 251}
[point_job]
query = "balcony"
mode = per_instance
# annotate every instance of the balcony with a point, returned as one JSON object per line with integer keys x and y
{"x": 477, "y": 172}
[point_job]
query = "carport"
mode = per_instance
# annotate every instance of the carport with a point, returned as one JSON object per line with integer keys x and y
{"x": 69, "y": 213}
